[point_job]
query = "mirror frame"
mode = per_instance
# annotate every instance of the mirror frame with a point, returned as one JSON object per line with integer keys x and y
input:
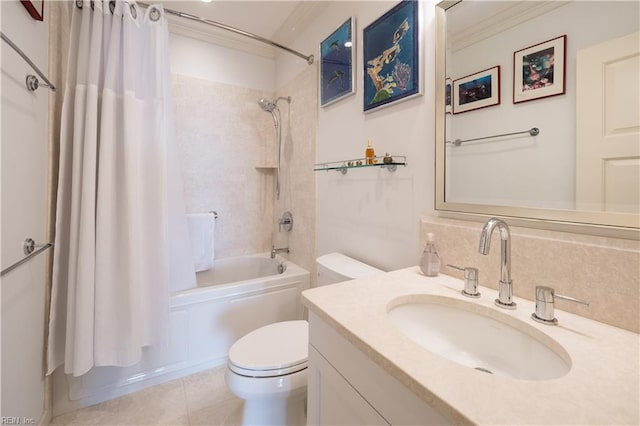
{"x": 624, "y": 221}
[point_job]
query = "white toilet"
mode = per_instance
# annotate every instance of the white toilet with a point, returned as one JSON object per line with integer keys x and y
{"x": 268, "y": 367}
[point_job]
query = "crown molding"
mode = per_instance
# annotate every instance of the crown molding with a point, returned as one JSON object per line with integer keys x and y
{"x": 218, "y": 36}
{"x": 298, "y": 21}
{"x": 501, "y": 21}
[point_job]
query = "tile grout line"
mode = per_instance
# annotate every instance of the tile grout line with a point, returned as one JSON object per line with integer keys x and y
{"x": 186, "y": 400}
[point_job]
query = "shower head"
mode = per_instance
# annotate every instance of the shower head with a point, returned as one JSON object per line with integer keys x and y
{"x": 267, "y": 105}
{"x": 272, "y": 107}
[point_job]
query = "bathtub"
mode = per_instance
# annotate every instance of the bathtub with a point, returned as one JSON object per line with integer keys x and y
{"x": 236, "y": 296}
{"x": 241, "y": 269}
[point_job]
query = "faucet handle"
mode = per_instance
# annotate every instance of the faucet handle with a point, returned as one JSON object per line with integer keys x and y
{"x": 470, "y": 280}
{"x": 286, "y": 222}
{"x": 545, "y": 305}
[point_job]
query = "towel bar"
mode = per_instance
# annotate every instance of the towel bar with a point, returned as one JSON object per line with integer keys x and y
{"x": 29, "y": 247}
{"x": 32, "y": 80}
{"x": 534, "y": 131}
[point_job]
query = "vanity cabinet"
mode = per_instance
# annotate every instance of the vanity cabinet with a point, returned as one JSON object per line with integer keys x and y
{"x": 346, "y": 387}
{"x": 332, "y": 400}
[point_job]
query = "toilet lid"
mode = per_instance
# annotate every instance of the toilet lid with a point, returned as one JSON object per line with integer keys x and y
{"x": 273, "y": 350}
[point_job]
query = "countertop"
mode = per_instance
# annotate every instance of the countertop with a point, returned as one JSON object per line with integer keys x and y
{"x": 602, "y": 386}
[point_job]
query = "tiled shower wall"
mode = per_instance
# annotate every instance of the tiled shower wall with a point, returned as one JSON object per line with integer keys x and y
{"x": 298, "y": 190}
{"x": 604, "y": 271}
{"x": 222, "y": 135}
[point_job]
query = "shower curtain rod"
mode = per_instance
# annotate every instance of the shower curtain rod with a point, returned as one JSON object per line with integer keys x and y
{"x": 309, "y": 58}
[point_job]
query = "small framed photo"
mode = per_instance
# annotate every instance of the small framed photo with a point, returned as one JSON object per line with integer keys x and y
{"x": 391, "y": 56}
{"x": 35, "y": 8}
{"x": 475, "y": 91}
{"x": 337, "y": 59}
{"x": 539, "y": 70}
{"x": 447, "y": 96}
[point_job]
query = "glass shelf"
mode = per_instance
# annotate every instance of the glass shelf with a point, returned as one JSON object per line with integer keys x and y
{"x": 361, "y": 163}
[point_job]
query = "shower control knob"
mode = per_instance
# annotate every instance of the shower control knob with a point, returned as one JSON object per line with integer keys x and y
{"x": 286, "y": 222}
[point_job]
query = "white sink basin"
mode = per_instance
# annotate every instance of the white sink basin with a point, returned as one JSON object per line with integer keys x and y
{"x": 479, "y": 337}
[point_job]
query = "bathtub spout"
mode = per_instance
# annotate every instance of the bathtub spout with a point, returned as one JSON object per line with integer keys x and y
{"x": 275, "y": 251}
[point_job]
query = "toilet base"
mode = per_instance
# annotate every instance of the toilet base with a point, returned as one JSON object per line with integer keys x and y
{"x": 278, "y": 401}
{"x": 289, "y": 411}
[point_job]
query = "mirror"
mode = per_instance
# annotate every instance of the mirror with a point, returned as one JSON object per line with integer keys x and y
{"x": 537, "y": 112}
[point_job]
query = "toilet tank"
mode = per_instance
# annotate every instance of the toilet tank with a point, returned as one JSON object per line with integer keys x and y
{"x": 336, "y": 267}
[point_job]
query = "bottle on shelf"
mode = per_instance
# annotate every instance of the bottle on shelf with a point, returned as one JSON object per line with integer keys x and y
{"x": 430, "y": 261}
{"x": 369, "y": 154}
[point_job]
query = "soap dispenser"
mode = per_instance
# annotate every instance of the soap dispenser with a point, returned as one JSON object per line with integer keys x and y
{"x": 369, "y": 153}
{"x": 430, "y": 261}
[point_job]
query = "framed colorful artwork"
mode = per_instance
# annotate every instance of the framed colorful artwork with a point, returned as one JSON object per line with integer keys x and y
{"x": 391, "y": 56}
{"x": 479, "y": 90}
{"x": 539, "y": 70}
{"x": 337, "y": 60}
{"x": 447, "y": 96}
{"x": 35, "y": 8}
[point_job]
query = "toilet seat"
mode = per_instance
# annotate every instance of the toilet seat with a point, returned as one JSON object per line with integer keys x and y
{"x": 276, "y": 372}
{"x": 273, "y": 350}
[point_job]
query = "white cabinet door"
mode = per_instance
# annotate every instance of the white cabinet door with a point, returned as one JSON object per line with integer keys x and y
{"x": 332, "y": 400}
{"x": 346, "y": 387}
{"x": 608, "y": 126}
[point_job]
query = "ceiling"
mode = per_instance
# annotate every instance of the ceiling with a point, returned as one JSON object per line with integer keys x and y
{"x": 263, "y": 18}
{"x": 281, "y": 21}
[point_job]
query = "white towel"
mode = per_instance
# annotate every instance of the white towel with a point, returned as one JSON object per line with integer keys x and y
{"x": 202, "y": 229}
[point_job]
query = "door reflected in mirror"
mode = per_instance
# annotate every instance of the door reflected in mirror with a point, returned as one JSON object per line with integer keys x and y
{"x": 569, "y": 70}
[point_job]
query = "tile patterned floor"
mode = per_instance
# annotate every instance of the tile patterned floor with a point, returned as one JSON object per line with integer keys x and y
{"x": 199, "y": 399}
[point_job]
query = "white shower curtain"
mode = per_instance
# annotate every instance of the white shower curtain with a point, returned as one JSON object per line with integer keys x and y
{"x": 121, "y": 233}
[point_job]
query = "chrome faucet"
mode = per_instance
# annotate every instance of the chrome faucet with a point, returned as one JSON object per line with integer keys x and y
{"x": 505, "y": 285}
{"x": 275, "y": 251}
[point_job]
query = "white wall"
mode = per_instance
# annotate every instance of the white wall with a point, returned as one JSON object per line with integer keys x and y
{"x": 24, "y": 214}
{"x": 200, "y": 59}
{"x": 371, "y": 214}
{"x": 521, "y": 170}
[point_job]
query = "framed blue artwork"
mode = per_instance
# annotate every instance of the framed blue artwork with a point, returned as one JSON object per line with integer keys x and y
{"x": 479, "y": 90}
{"x": 391, "y": 56}
{"x": 337, "y": 59}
